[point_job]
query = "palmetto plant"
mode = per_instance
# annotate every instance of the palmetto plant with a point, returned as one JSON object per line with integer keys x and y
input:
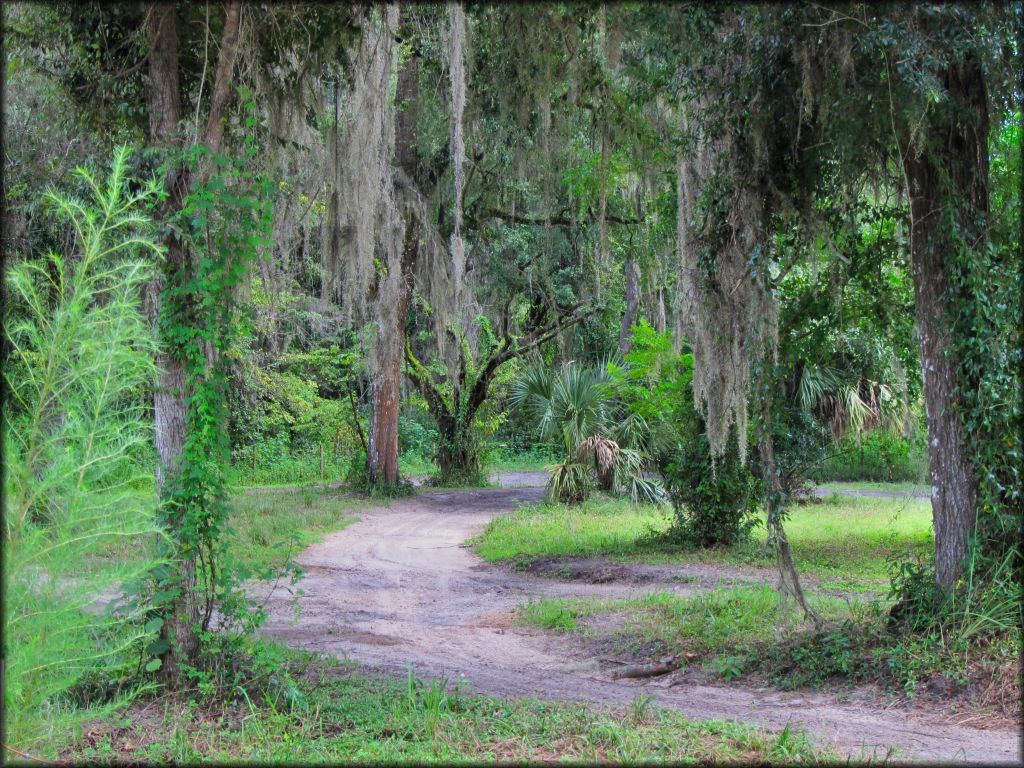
{"x": 80, "y": 353}
{"x": 846, "y": 402}
{"x": 574, "y": 409}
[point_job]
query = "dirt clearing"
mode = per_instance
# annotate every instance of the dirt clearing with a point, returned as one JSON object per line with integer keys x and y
{"x": 400, "y": 587}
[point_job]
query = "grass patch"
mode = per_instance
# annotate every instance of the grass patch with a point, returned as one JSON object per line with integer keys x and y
{"x": 268, "y": 529}
{"x": 551, "y": 613}
{"x": 846, "y": 541}
{"x": 850, "y": 539}
{"x": 597, "y": 527}
{"x": 519, "y": 462}
{"x": 351, "y": 718}
{"x": 412, "y": 463}
{"x": 745, "y": 631}
{"x": 727, "y": 630}
{"x": 864, "y": 485}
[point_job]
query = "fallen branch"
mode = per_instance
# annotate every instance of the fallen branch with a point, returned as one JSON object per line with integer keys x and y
{"x": 662, "y": 667}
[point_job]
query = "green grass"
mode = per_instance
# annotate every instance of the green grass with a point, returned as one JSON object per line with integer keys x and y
{"x": 865, "y": 485}
{"x": 742, "y": 631}
{"x": 290, "y": 469}
{"x": 737, "y": 621}
{"x": 413, "y": 464}
{"x": 410, "y": 463}
{"x": 270, "y": 528}
{"x": 351, "y": 718}
{"x": 844, "y": 540}
{"x": 847, "y": 540}
{"x": 519, "y": 462}
{"x": 598, "y": 527}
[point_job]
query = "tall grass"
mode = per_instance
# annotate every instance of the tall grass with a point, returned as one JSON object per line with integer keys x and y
{"x": 80, "y": 360}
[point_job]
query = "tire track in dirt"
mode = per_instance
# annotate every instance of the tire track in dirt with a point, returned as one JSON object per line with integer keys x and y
{"x": 399, "y": 587}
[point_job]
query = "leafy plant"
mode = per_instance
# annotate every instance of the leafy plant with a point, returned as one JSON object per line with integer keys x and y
{"x": 574, "y": 409}
{"x": 80, "y": 356}
{"x": 224, "y": 222}
{"x": 715, "y": 502}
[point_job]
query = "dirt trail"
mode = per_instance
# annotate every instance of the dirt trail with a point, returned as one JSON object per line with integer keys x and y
{"x": 399, "y": 587}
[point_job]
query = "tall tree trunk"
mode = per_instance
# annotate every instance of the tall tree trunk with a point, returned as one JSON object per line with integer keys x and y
{"x": 172, "y": 379}
{"x": 393, "y": 297}
{"x": 392, "y": 311}
{"x": 164, "y": 116}
{"x": 169, "y": 399}
{"x": 948, "y": 190}
{"x": 632, "y": 270}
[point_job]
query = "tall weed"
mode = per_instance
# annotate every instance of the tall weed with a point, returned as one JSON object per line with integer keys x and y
{"x": 80, "y": 361}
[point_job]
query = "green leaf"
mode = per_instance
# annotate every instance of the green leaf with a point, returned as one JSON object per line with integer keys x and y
{"x": 154, "y": 665}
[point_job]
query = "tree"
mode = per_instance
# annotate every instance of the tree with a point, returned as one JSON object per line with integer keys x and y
{"x": 173, "y": 388}
{"x": 947, "y": 186}
{"x": 936, "y": 86}
{"x": 381, "y": 217}
{"x": 454, "y": 403}
{"x": 394, "y": 289}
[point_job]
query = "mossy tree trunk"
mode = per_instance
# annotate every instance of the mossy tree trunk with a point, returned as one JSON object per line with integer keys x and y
{"x": 947, "y": 183}
{"x": 186, "y": 612}
{"x": 394, "y": 291}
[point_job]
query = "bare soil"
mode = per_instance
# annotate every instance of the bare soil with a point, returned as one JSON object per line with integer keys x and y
{"x": 400, "y": 587}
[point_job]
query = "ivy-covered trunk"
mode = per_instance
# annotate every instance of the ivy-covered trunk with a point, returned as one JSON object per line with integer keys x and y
{"x": 186, "y": 608}
{"x": 947, "y": 184}
{"x": 178, "y": 636}
{"x": 458, "y": 459}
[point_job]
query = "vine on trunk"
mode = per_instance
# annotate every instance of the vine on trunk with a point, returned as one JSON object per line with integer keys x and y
{"x": 223, "y": 224}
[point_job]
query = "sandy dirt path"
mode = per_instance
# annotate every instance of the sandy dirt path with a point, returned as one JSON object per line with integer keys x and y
{"x": 399, "y": 587}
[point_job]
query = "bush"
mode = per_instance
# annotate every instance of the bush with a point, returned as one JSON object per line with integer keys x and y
{"x": 715, "y": 502}
{"x": 878, "y": 456}
{"x": 277, "y": 463}
{"x": 579, "y": 410}
{"x": 715, "y": 505}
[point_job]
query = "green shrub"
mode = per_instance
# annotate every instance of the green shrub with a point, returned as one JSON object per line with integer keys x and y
{"x": 715, "y": 505}
{"x": 714, "y": 502}
{"x": 579, "y": 411}
{"x": 278, "y": 463}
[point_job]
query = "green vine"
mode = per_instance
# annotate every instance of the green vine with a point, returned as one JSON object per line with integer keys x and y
{"x": 224, "y": 222}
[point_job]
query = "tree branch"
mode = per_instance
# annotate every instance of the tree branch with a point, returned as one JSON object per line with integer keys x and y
{"x": 213, "y": 134}
{"x": 424, "y": 382}
{"x": 506, "y": 353}
{"x": 560, "y": 220}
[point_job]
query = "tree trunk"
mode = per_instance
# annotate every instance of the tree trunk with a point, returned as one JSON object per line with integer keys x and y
{"x": 948, "y": 191}
{"x": 164, "y": 115}
{"x": 775, "y": 498}
{"x": 457, "y": 457}
{"x": 170, "y": 395}
{"x": 632, "y": 271}
{"x": 393, "y": 299}
{"x": 457, "y": 460}
{"x": 382, "y": 443}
